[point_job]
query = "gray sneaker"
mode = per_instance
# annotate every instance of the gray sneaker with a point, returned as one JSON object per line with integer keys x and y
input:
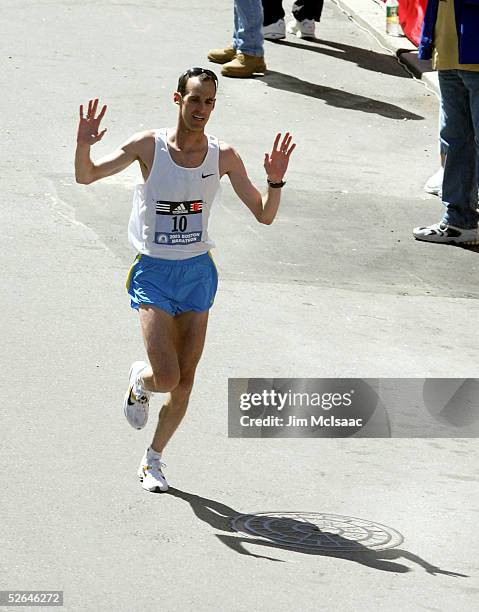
{"x": 447, "y": 234}
{"x": 302, "y": 29}
{"x": 275, "y": 31}
{"x": 434, "y": 183}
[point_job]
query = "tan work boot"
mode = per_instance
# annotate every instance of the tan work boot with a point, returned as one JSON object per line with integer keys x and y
{"x": 221, "y": 56}
{"x": 244, "y": 66}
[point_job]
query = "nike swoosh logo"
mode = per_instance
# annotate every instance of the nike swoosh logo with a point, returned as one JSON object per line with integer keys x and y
{"x": 206, "y": 175}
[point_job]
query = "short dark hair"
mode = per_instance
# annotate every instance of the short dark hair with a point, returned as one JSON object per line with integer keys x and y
{"x": 204, "y": 74}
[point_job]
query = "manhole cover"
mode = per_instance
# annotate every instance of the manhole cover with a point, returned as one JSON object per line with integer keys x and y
{"x": 315, "y": 530}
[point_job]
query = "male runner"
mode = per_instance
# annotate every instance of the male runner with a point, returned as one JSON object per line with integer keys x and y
{"x": 173, "y": 281}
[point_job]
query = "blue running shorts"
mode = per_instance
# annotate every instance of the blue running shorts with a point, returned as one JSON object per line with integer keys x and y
{"x": 174, "y": 285}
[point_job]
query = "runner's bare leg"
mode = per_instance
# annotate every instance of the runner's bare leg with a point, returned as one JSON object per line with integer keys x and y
{"x": 160, "y": 338}
{"x": 184, "y": 335}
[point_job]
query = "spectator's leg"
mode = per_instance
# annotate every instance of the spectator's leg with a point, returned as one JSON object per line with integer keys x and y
{"x": 471, "y": 79}
{"x": 459, "y": 96}
{"x": 273, "y": 11}
{"x": 249, "y": 35}
{"x": 308, "y": 9}
{"x": 236, "y": 25}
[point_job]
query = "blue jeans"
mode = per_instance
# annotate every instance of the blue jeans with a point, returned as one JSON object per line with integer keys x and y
{"x": 248, "y": 24}
{"x": 460, "y": 139}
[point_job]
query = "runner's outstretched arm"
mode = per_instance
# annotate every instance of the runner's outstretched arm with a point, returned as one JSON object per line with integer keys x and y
{"x": 265, "y": 207}
{"x": 87, "y": 171}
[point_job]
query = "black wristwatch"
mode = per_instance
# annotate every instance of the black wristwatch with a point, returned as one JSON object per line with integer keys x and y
{"x": 276, "y": 185}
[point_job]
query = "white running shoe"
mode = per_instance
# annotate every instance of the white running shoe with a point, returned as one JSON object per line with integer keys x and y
{"x": 302, "y": 29}
{"x": 434, "y": 183}
{"x": 447, "y": 234}
{"x": 150, "y": 473}
{"x": 136, "y": 402}
{"x": 275, "y": 31}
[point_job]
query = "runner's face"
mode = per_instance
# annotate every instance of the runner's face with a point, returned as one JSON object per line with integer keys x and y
{"x": 197, "y": 103}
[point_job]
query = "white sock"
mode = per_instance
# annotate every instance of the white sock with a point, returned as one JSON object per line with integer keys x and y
{"x": 153, "y": 454}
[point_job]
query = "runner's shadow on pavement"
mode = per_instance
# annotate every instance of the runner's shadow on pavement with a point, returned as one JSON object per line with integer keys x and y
{"x": 364, "y": 58}
{"x": 219, "y": 516}
{"x": 336, "y": 97}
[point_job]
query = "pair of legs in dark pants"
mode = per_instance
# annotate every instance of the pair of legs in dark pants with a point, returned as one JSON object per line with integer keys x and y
{"x": 460, "y": 139}
{"x": 302, "y": 9}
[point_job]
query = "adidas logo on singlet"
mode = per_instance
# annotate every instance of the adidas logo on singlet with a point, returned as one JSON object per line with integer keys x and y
{"x": 180, "y": 210}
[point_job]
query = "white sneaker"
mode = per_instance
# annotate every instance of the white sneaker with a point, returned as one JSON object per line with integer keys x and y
{"x": 275, "y": 31}
{"x": 302, "y": 29}
{"x": 150, "y": 474}
{"x": 434, "y": 183}
{"x": 447, "y": 234}
{"x": 136, "y": 402}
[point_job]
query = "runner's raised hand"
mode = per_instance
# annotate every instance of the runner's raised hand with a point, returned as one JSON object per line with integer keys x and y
{"x": 276, "y": 163}
{"x": 88, "y": 126}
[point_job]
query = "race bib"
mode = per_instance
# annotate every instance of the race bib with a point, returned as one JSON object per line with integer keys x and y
{"x": 178, "y": 222}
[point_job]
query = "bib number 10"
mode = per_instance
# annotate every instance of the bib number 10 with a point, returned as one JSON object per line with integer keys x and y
{"x": 179, "y": 224}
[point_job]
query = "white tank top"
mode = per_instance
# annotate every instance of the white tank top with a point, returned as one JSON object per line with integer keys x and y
{"x": 170, "y": 213}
